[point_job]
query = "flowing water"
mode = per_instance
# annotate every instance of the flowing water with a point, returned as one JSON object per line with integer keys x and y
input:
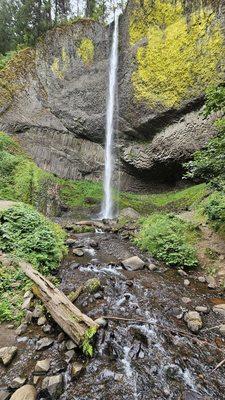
{"x": 107, "y": 206}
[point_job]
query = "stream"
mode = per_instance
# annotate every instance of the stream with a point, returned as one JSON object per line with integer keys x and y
{"x": 132, "y": 360}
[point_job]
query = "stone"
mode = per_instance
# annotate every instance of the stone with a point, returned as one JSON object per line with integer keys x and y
{"x": 54, "y": 385}
{"x": 28, "y": 294}
{"x": 28, "y": 317}
{"x": 4, "y": 395}
{"x": 47, "y": 328}
{"x": 193, "y": 320}
{"x": 18, "y": 382}
{"x": 42, "y": 365}
{"x": 26, "y": 392}
{"x": 44, "y": 343}
{"x": 186, "y": 282}
{"x": 38, "y": 310}
{"x": 211, "y": 282}
{"x": 27, "y": 303}
{"x": 70, "y": 345}
{"x": 202, "y": 279}
{"x": 181, "y": 272}
{"x": 152, "y": 267}
{"x": 129, "y": 213}
{"x": 202, "y": 309}
{"x": 92, "y": 285}
{"x": 101, "y": 322}
{"x": 219, "y": 309}
{"x": 21, "y": 329}
{"x": 222, "y": 330}
{"x": 36, "y": 379}
{"x": 77, "y": 367}
{"x": 78, "y": 252}
{"x": 69, "y": 355}
{"x": 7, "y": 354}
{"x": 186, "y": 300}
{"x": 133, "y": 263}
{"x": 70, "y": 242}
{"x": 41, "y": 321}
{"x": 118, "y": 377}
{"x": 98, "y": 296}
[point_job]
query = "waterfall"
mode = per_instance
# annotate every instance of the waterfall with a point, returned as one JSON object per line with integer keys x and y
{"x": 108, "y": 206}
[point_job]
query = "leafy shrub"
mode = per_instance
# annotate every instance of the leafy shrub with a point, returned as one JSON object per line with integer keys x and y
{"x": 169, "y": 239}
{"x": 29, "y": 235}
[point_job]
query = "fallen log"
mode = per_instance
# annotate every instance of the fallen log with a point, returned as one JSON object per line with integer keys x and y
{"x": 67, "y": 316}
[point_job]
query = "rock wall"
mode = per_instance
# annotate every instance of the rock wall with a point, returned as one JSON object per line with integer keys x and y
{"x": 54, "y": 97}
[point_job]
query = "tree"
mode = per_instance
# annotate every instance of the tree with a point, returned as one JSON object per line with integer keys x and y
{"x": 8, "y": 37}
{"x": 90, "y": 8}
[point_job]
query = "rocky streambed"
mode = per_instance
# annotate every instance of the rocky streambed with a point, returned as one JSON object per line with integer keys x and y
{"x": 162, "y": 335}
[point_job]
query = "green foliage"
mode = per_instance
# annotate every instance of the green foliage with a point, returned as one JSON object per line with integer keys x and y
{"x": 215, "y": 100}
{"x": 86, "y": 345}
{"x": 29, "y": 235}
{"x": 169, "y": 239}
{"x": 5, "y": 58}
{"x": 214, "y": 209}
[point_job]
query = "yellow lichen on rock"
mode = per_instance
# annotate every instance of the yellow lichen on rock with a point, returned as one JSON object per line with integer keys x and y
{"x": 56, "y": 69}
{"x": 180, "y": 57}
{"x": 65, "y": 59}
{"x": 86, "y": 51}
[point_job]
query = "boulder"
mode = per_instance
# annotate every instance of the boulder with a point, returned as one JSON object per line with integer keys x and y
{"x": 44, "y": 343}
{"x": 54, "y": 385}
{"x": 219, "y": 309}
{"x": 26, "y": 392}
{"x": 42, "y": 320}
{"x": 38, "y": 311}
{"x": 129, "y": 213}
{"x": 7, "y": 354}
{"x": 21, "y": 329}
{"x": 193, "y": 320}
{"x": 92, "y": 285}
{"x": 152, "y": 267}
{"x": 27, "y": 303}
{"x": 133, "y": 263}
{"x": 78, "y": 252}
{"x": 42, "y": 365}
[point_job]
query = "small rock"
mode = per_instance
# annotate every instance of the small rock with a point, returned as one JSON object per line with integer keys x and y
{"x": 76, "y": 369}
{"x": 220, "y": 309}
{"x": 166, "y": 392}
{"x": 17, "y": 382}
{"x": 202, "y": 279}
{"x": 133, "y": 263}
{"x": 36, "y": 379}
{"x": 70, "y": 345}
{"x": 26, "y": 392}
{"x": 28, "y": 294}
{"x": 129, "y": 213}
{"x": 41, "y": 321}
{"x": 28, "y": 317}
{"x": 101, "y": 322}
{"x": 54, "y": 385}
{"x": 42, "y": 365}
{"x": 186, "y": 282}
{"x": 98, "y": 296}
{"x": 69, "y": 355}
{"x": 37, "y": 311}
{"x": 193, "y": 320}
{"x": 222, "y": 330}
{"x": 118, "y": 377}
{"x": 211, "y": 282}
{"x": 186, "y": 300}
{"x": 11, "y": 326}
{"x": 27, "y": 303}
{"x": 4, "y": 394}
{"x": 7, "y": 354}
{"x": 222, "y": 257}
{"x": 21, "y": 329}
{"x": 70, "y": 242}
{"x": 92, "y": 285}
{"x": 47, "y": 328}
{"x": 202, "y": 309}
{"x": 78, "y": 252}
{"x": 44, "y": 343}
{"x": 181, "y": 272}
{"x": 152, "y": 267}
{"x": 129, "y": 283}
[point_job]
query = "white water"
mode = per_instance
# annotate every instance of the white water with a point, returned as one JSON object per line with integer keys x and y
{"x": 108, "y": 206}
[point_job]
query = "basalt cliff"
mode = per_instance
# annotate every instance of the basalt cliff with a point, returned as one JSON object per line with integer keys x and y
{"x": 53, "y": 97}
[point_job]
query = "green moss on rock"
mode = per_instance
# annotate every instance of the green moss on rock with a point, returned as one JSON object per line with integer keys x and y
{"x": 180, "y": 56}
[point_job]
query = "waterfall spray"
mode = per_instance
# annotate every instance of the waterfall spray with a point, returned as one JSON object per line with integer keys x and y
{"x": 108, "y": 206}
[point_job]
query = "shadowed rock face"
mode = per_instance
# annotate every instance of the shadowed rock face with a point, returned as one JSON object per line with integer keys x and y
{"x": 54, "y": 97}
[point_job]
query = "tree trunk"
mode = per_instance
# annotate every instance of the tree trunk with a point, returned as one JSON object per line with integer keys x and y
{"x": 67, "y": 316}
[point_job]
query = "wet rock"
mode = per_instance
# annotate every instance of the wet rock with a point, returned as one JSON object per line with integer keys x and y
{"x": 101, "y": 322}
{"x": 17, "y": 382}
{"x": 152, "y": 267}
{"x": 202, "y": 309}
{"x": 21, "y": 329}
{"x": 181, "y": 272}
{"x": 70, "y": 345}
{"x": 129, "y": 213}
{"x": 202, "y": 279}
{"x": 94, "y": 244}
{"x": 26, "y": 392}
{"x": 47, "y": 328}
{"x": 211, "y": 282}
{"x": 78, "y": 252}
{"x": 92, "y": 285}
{"x": 4, "y": 394}
{"x": 77, "y": 367}
{"x": 41, "y": 321}
{"x": 54, "y": 385}
{"x": 193, "y": 320}
{"x": 118, "y": 377}
{"x": 220, "y": 309}
{"x": 7, "y": 354}
{"x": 74, "y": 265}
{"x": 69, "y": 355}
{"x": 37, "y": 311}
{"x": 42, "y": 365}
{"x": 186, "y": 300}
{"x": 70, "y": 242}
{"x": 222, "y": 330}
{"x": 44, "y": 343}
{"x": 133, "y": 263}
{"x": 186, "y": 282}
